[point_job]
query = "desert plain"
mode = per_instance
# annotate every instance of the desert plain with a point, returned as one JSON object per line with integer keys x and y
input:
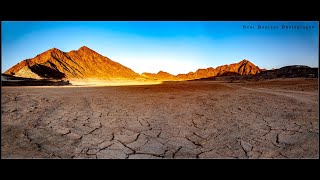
{"x": 276, "y": 118}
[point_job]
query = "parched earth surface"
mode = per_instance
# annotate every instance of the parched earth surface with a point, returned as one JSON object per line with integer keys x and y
{"x": 199, "y": 119}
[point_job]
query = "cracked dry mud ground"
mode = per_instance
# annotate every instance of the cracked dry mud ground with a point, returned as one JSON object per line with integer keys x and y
{"x": 267, "y": 119}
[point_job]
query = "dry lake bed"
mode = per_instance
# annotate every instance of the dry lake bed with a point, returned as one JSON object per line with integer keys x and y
{"x": 191, "y": 119}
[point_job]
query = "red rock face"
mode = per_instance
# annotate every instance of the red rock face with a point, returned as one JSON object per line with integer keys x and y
{"x": 83, "y": 63}
{"x": 244, "y": 67}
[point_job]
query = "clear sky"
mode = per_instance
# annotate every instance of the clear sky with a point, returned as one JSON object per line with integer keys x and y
{"x": 171, "y": 46}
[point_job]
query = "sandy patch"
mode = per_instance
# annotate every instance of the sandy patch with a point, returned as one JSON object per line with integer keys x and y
{"x": 98, "y": 82}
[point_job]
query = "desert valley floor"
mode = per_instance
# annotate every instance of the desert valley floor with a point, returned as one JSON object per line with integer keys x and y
{"x": 191, "y": 119}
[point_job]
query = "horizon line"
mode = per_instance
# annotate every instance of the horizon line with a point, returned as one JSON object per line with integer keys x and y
{"x": 155, "y": 72}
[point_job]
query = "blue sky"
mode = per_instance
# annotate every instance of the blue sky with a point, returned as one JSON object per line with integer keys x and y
{"x": 172, "y": 46}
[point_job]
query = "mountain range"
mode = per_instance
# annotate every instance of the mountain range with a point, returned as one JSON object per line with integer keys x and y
{"x": 86, "y": 63}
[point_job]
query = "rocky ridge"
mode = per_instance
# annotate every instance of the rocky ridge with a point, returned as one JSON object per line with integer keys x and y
{"x": 85, "y": 63}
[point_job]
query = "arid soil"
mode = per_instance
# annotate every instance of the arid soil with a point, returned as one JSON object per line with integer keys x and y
{"x": 196, "y": 119}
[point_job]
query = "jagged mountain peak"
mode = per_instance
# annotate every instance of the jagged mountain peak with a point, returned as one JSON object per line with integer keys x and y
{"x": 50, "y": 52}
{"x": 244, "y": 61}
{"x": 84, "y": 48}
{"x": 54, "y": 49}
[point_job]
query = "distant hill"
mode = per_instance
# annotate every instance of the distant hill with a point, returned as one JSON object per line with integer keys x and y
{"x": 161, "y": 75}
{"x": 290, "y": 72}
{"x": 243, "y": 67}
